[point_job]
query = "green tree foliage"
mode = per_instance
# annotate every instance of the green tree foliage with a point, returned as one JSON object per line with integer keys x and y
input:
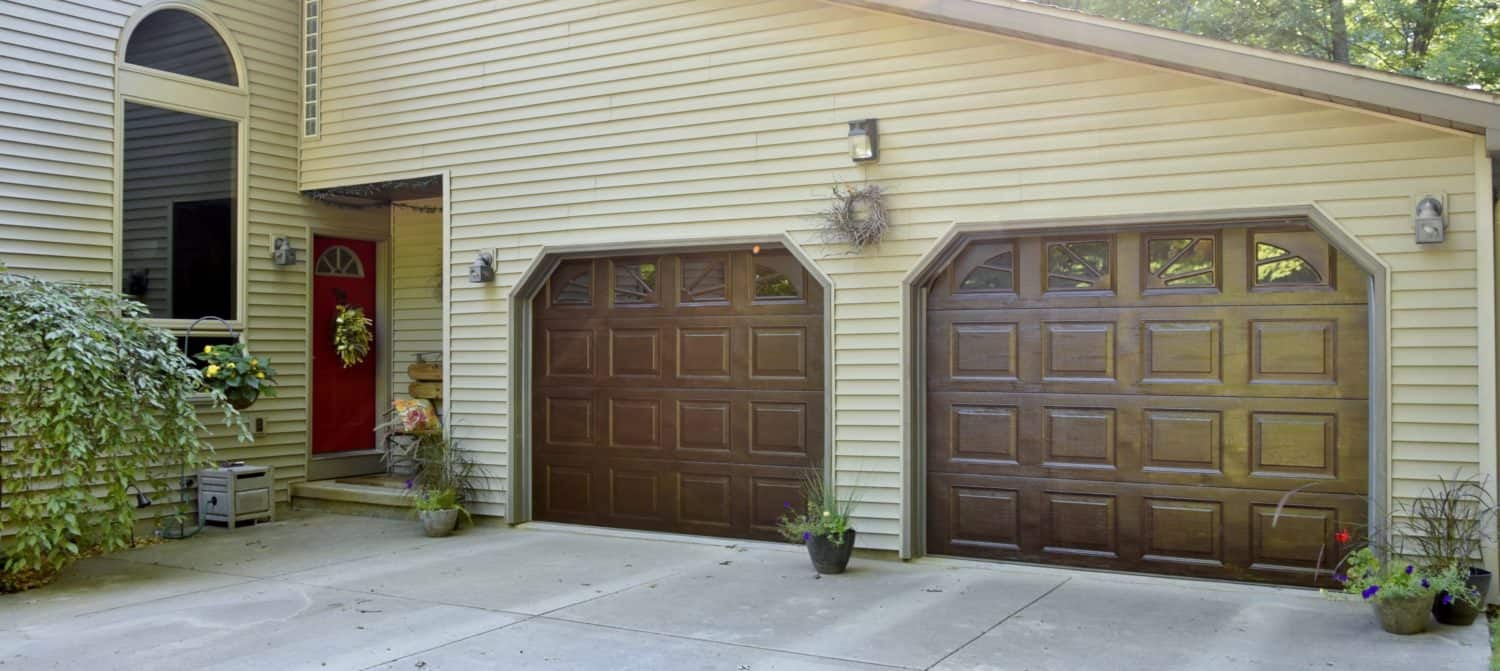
{"x": 95, "y": 405}
{"x": 1451, "y": 41}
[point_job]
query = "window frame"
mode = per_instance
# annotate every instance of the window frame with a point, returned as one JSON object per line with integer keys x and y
{"x": 141, "y": 85}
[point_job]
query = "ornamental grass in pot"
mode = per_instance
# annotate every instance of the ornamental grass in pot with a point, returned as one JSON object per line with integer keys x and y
{"x": 822, "y": 525}
{"x": 1449, "y": 524}
{"x": 444, "y": 480}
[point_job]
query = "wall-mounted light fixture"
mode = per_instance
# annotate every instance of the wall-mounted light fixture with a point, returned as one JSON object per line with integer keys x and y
{"x": 1430, "y": 220}
{"x": 282, "y": 252}
{"x": 864, "y": 141}
{"x": 482, "y": 269}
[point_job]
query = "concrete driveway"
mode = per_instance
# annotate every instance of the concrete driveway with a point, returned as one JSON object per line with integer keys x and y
{"x": 337, "y": 592}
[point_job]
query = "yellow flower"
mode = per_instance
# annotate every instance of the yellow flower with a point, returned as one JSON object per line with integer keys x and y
{"x": 261, "y": 375}
{"x": 255, "y": 362}
{"x": 229, "y": 365}
{"x": 211, "y": 371}
{"x": 208, "y": 349}
{"x": 825, "y": 513}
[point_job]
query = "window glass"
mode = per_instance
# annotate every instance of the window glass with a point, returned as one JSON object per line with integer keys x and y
{"x": 1291, "y": 258}
{"x": 179, "y": 226}
{"x": 635, "y": 283}
{"x": 573, "y": 284}
{"x": 1180, "y": 263}
{"x": 1081, "y": 265}
{"x": 995, "y": 274}
{"x": 704, "y": 280}
{"x": 178, "y": 41}
{"x": 778, "y": 276}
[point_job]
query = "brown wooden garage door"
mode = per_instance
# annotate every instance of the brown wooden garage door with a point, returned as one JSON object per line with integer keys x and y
{"x": 678, "y": 392}
{"x": 1141, "y": 401}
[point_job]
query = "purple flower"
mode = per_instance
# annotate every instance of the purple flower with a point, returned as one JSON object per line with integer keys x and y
{"x": 1425, "y": 584}
{"x": 1341, "y": 577}
{"x": 1408, "y": 569}
{"x": 786, "y": 504}
{"x": 1370, "y": 591}
{"x": 1447, "y": 599}
{"x": 408, "y": 483}
{"x": 806, "y": 536}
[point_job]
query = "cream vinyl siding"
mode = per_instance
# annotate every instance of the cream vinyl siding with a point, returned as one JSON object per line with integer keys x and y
{"x": 571, "y": 122}
{"x": 416, "y": 288}
{"x": 57, "y": 180}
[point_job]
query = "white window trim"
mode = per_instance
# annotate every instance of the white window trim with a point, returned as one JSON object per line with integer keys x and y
{"x": 180, "y": 93}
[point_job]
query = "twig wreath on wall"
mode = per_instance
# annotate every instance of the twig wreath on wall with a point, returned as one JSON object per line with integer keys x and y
{"x": 855, "y": 216}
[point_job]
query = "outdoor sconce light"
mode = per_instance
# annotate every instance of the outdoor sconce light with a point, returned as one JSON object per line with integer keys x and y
{"x": 282, "y": 253}
{"x": 864, "y": 145}
{"x": 1431, "y": 222}
{"x": 482, "y": 269}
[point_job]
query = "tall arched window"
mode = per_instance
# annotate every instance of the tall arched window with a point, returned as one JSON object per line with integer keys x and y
{"x": 181, "y": 110}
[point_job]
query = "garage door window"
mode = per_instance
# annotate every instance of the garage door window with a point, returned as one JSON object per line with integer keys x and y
{"x": 1291, "y": 259}
{"x": 1180, "y": 262}
{"x": 994, "y": 272}
{"x": 704, "y": 280}
{"x": 635, "y": 282}
{"x": 1078, "y": 265}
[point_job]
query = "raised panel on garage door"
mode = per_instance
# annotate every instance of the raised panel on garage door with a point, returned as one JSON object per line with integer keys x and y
{"x": 1139, "y": 401}
{"x": 679, "y": 392}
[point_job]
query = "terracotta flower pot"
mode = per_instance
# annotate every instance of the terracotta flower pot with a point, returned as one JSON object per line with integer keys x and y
{"x": 828, "y": 557}
{"x": 438, "y": 523}
{"x": 1404, "y": 615}
{"x": 1459, "y": 612}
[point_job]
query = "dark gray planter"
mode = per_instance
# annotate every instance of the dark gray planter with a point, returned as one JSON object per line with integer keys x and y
{"x": 830, "y": 558}
{"x": 1460, "y": 613}
{"x": 1404, "y": 616}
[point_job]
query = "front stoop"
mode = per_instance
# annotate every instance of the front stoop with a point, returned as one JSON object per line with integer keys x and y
{"x": 366, "y": 497}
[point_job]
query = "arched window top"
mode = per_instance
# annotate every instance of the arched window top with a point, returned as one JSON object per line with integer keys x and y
{"x": 339, "y": 261}
{"x": 181, "y": 42}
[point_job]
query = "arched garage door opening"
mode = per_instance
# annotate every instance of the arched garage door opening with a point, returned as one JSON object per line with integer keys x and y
{"x": 677, "y": 391}
{"x": 1142, "y": 400}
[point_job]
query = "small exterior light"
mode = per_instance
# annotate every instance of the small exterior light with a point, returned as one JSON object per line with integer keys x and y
{"x": 282, "y": 253}
{"x": 1431, "y": 222}
{"x": 482, "y": 269}
{"x": 864, "y": 143}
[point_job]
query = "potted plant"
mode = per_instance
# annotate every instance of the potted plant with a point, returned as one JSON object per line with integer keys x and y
{"x": 1449, "y": 523}
{"x": 240, "y": 376}
{"x": 439, "y": 512}
{"x": 822, "y": 525}
{"x": 445, "y": 478}
{"x": 1400, "y": 593}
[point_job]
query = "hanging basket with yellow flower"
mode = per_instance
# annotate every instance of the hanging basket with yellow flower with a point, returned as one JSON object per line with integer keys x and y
{"x": 242, "y": 377}
{"x": 351, "y": 334}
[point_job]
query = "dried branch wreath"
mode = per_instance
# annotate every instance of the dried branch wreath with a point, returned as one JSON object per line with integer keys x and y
{"x": 856, "y": 216}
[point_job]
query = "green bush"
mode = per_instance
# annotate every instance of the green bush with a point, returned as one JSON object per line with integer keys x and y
{"x": 94, "y": 406}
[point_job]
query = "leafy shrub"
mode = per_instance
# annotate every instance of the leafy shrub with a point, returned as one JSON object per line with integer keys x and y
{"x": 95, "y": 407}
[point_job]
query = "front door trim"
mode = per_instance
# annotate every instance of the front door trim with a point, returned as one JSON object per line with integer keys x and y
{"x": 518, "y": 460}
{"x": 914, "y": 327}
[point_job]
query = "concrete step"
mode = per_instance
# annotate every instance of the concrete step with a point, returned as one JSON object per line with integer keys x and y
{"x": 366, "y": 497}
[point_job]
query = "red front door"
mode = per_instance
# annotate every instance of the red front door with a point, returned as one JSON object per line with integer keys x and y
{"x": 343, "y": 407}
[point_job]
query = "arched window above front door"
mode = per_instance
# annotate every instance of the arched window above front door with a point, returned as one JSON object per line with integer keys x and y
{"x": 339, "y": 261}
{"x": 178, "y": 41}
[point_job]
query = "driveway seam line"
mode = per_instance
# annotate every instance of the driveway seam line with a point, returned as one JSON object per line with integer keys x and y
{"x": 424, "y": 651}
{"x": 749, "y": 646}
{"x": 996, "y": 625}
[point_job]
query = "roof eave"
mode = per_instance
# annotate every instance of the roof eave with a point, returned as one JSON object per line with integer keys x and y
{"x": 1427, "y": 102}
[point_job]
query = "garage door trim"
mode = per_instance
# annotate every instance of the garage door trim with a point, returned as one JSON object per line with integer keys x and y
{"x": 518, "y": 459}
{"x": 959, "y": 234}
